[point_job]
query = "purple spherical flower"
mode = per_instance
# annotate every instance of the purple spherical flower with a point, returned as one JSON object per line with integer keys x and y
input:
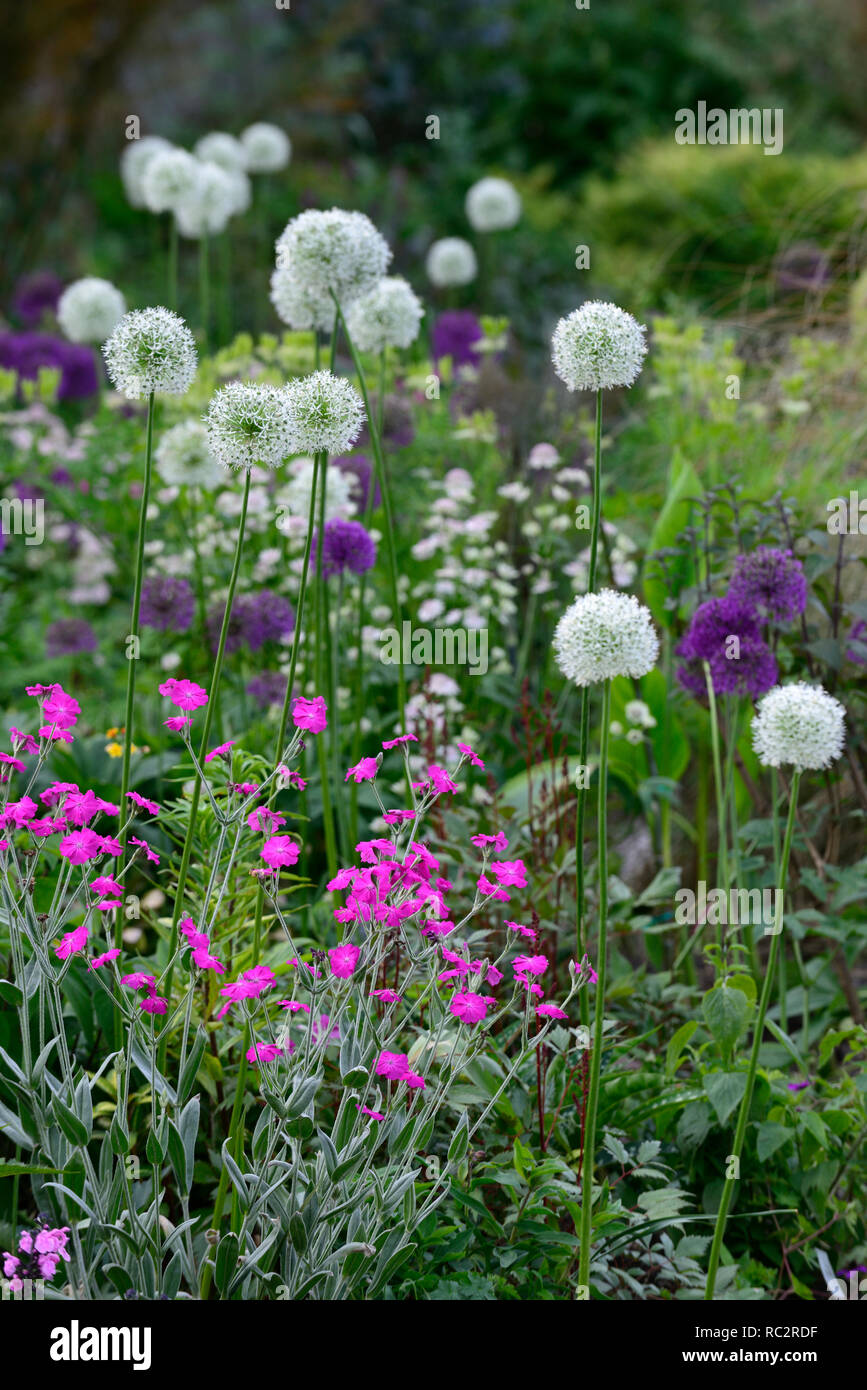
{"x": 725, "y": 633}
{"x": 359, "y": 469}
{"x": 167, "y": 604}
{"x": 347, "y": 546}
{"x": 68, "y": 636}
{"x": 268, "y": 617}
{"x": 268, "y": 688}
{"x": 455, "y": 334}
{"x": 398, "y": 425}
{"x": 35, "y": 296}
{"x": 772, "y": 582}
{"x": 25, "y": 353}
{"x": 858, "y": 652}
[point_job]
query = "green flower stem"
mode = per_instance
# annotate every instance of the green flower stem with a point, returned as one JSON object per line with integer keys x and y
{"x": 186, "y": 853}
{"x": 132, "y": 661}
{"x": 722, "y": 837}
{"x": 767, "y": 989}
{"x": 173, "y": 262}
{"x": 204, "y": 289}
{"x": 382, "y": 478}
{"x": 235, "y": 1128}
{"x": 321, "y": 658}
{"x": 589, "y": 1144}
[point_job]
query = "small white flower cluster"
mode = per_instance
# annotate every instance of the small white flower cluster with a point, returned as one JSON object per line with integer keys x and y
{"x": 327, "y": 413}
{"x": 451, "y": 262}
{"x": 292, "y": 501}
{"x": 267, "y": 147}
{"x": 296, "y": 305}
{"x": 250, "y": 424}
{"x": 184, "y": 458}
{"x": 604, "y": 635}
{"x": 493, "y": 205}
{"x": 134, "y": 161}
{"x": 388, "y": 315}
{"x": 89, "y": 310}
{"x": 598, "y": 347}
{"x": 799, "y": 724}
{"x": 151, "y": 350}
{"x": 333, "y": 253}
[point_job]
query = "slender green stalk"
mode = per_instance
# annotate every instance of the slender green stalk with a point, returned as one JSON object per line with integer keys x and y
{"x": 323, "y": 641}
{"x": 722, "y": 837}
{"x": 584, "y": 735}
{"x": 173, "y": 262}
{"x": 733, "y": 1159}
{"x": 204, "y": 289}
{"x": 589, "y": 1144}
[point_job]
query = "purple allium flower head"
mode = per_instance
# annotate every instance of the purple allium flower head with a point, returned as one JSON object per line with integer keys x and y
{"x": 454, "y": 334}
{"x": 68, "y": 636}
{"x": 36, "y": 295}
{"x": 858, "y": 652}
{"x": 255, "y": 619}
{"x": 359, "y": 468}
{"x": 25, "y": 353}
{"x": 346, "y": 546}
{"x": 167, "y": 604}
{"x": 772, "y": 582}
{"x": 268, "y": 688}
{"x": 708, "y": 638}
{"x": 398, "y": 425}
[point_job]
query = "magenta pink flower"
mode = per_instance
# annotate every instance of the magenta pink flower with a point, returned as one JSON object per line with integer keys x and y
{"x": 110, "y": 844}
{"x": 310, "y": 714}
{"x": 509, "y": 873}
{"x": 203, "y": 959}
{"x": 264, "y": 1052}
{"x": 343, "y": 960}
{"x": 23, "y": 743}
{"x": 280, "y": 852}
{"x": 12, "y": 762}
{"x": 184, "y": 694}
{"x": 468, "y": 753}
{"x": 81, "y": 845}
{"x": 60, "y": 710}
{"x": 294, "y": 1006}
{"x": 530, "y": 965}
{"x": 264, "y": 819}
{"x": 525, "y": 931}
{"x": 490, "y": 889}
{"x": 44, "y": 825}
{"x": 440, "y": 779}
{"x": 388, "y": 996}
{"x": 394, "y": 1065}
{"x": 469, "y": 1007}
{"x": 139, "y": 980}
{"x": 177, "y": 723}
{"x": 104, "y": 958}
{"x": 220, "y": 750}
{"x": 414, "y": 1080}
{"x": 154, "y": 1004}
{"x": 403, "y": 738}
{"x": 364, "y": 771}
{"x": 341, "y": 880}
{"x": 374, "y": 1114}
{"x": 197, "y": 939}
{"x": 551, "y": 1011}
{"x": 150, "y": 854}
{"x": 73, "y": 942}
{"x": 106, "y": 884}
{"x": 498, "y": 841}
{"x": 144, "y": 803}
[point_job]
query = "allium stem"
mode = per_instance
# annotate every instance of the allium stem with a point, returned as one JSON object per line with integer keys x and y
{"x": 733, "y": 1159}
{"x": 584, "y": 736}
{"x": 132, "y": 660}
{"x": 321, "y": 656}
{"x": 204, "y": 289}
{"x": 722, "y": 837}
{"x": 589, "y": 1145}
{"x": 173, "y": 263}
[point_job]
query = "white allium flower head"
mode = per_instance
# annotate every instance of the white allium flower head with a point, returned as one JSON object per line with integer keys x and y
{"x": 210, "y": 202}
{"x": 90, "y": 309}
{"x": 451, "y": 261}
{"x": 293, "y": 500}
{"x": 492, "y": 205}
{"x": 597, "y": 346}
{"x": 222, "y": 149}
{"x": 242, "y": 190}
{"x": 249, "y": 424}
{"x": 296, "y": 304}
{"x": 799, "y": 724}
{"x": 151, "y": 350}
{"x": 134, "y": 161}
{"x": 168, "y": 178}
{"x": 328, "y": 413}
{"x": 184, "y": 457}
{"x": 334, "y": 252}
{"x": 267, "y": 147}
{"x": 389, "y": 315}
{"x": 605, "y": 635}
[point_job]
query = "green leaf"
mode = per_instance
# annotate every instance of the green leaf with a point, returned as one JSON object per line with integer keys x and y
{"x": 770, "y": 1137}
{"x": 10, "y": 993}
{"x": 683, "y": 483}
{"x": 725, "y": 1090}
{"x": 725, "y": 1012}
{"x": 14, "y": 1170}
{"x": 226, "y": 1261}
{"x": 76, "y": 1132}
{"x": 677, "y": 1045}
{"x": 460, "y": 1139}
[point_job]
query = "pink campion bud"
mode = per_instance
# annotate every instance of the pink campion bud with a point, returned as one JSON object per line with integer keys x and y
{"x": 219, "y": 750}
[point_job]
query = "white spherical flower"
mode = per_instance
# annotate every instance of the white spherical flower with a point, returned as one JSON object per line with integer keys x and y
{"x": 493, "y": 205}
{"x": 335, "y": 252}
{"x": 267, "y": 147}
{"x": 168, "y": 178}
{"x": 90, "y": 309}
{"x": 389, "y": 315}
{"x": 242, "y": 190}
{"x": 134, "y": 161}
{"x": 292, "y": 502}
{"x": 222, "y": 149}
{"x": 450, "y": 262}
{"x": 296, "y": 304}
{"x": 151, "y": 350}
{"x": 605, "y": 635}
{"x": 249, "y": 424}
{"x": 597, "y": 346}
{"x": 799, "y": 724}
{"x": 543, "y": 456}
{"x": 184, "y": 456}
{"x": 328, "y": 413}
{"x": 211, "y": 201}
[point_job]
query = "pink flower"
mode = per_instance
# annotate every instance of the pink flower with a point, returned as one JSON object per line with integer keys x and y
{"x": 104, "y": 958}
{"x": 341, "y": 880}
{"x": 509, "y": 873}
{"x": 364, "y": 771}
{"x": 196, "y": 939}
{"x": 81, "y": 846}
{"x": 12, "y": 762}
{"x": 310, "y": 714}
{"x": 139, "y": 980}
{"x": 294, "y": 1006}
{"x": 105, "y": 884}
{"x": 44, "y": 825}
{"x": 403, "y": 738}
{"x": 525, "y": 931}
{"x": 530, "y": 965}
{"x": 490, "y": 889}
{"x": 150, "y": 854}
{"x": 155, "y": 1004}
{"x": 184, "y": 694}
{"x": 394, "y": 1065}
{"x": 23, "y": 743}
{"x": 203, "y": 959}
{"x": 414, "y": 1080}
{"x": 374, "y": 1114}
{"x": 264, "y": 1052}
{"x": 440, "y": 779}
{"x": 72, "y": 943}
{"x": 110, "y": 844}
{"x": 551, "y": 1011}
{"x": 220, "y": 750}
{"x": 81, "y": 807}
{"x": 343, "y": 960}
{"x": 177, "y": 723}
{"x": 498, "y": 841}
{"x": 264, "y": 820}
{"x": 468, "y": 753}
{"x": 280, "y": 852}
{"x": 388, "y": 996}
{"x": 469, "y": 1007}
{"x": 60, "y": 710}
{"x": 20, "y": 812}
{"x": 144, "y": 803}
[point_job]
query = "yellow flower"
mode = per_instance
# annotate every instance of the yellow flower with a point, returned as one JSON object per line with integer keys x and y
{"x": 114, "y": 750}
